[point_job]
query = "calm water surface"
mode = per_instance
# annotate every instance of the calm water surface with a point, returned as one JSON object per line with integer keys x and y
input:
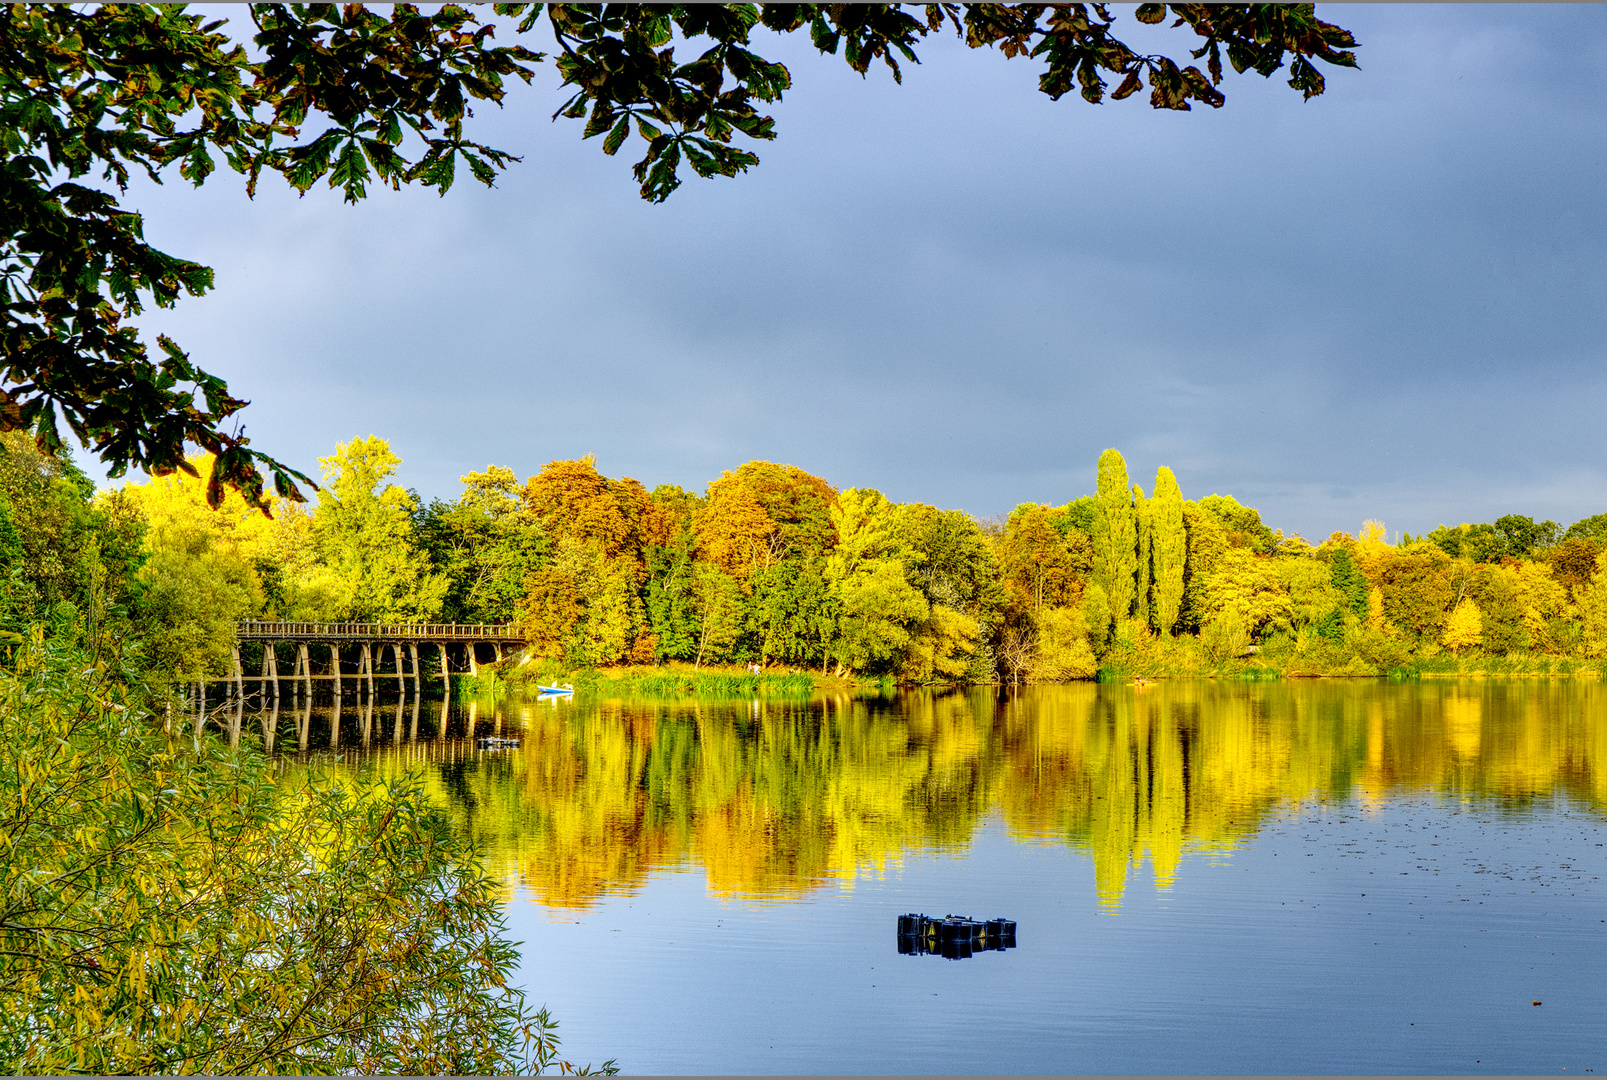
{"x": 1315, "y": 877}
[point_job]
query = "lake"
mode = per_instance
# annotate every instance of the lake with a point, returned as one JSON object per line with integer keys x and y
{"x": 1299, "y": 877}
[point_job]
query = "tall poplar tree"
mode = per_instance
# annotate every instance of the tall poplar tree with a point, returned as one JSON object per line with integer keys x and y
{"x": 1168, "y": 549}
{"x": 1142, "y": 510}
{"x": 1116, "y": 546}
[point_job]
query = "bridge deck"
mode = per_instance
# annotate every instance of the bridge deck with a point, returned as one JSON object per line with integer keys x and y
{"x": 356, "y": 631}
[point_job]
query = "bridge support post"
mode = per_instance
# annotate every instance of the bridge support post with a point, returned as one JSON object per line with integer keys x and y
{"x": 446, "y": 674}
{"x": 303, "y": 669}
{"x": 270, "y": 726}
{"x": 366, "y": 662}
{"x": 474, "y": 662}
{"x": 270, "y": 668}
{"x": 239, "y": 676}
{"x": 412, "y": 654}
{"x": 334, "y": 668}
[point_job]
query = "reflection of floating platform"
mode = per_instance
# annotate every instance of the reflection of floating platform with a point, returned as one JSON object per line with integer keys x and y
{"x": 954, "y": 937}
{"x": 491, "y": 742}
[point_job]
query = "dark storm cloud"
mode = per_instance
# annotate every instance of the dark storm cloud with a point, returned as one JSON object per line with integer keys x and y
{"x": 1384, "y": 302}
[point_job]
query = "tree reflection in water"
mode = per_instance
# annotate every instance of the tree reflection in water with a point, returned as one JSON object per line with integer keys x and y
{"x": 775, "y": 798}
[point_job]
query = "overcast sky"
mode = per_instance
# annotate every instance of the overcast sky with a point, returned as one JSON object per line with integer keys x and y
{"x": 1385, "y": 302}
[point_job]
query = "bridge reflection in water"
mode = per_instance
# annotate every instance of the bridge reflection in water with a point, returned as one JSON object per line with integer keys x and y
{"x": 426, "y": 729}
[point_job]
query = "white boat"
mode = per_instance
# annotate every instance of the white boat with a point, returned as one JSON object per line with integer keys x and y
{"x": 564, "y": 689}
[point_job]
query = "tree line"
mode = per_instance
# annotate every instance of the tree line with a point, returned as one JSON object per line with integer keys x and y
{"x": 770, "y": 565}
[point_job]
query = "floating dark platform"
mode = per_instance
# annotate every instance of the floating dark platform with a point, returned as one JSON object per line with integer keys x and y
{"x": 954, "y": 937}
{"x": 490, "y": 742}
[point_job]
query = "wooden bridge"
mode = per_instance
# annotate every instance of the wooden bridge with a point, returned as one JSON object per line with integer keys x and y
{"x": 368, "y": 642}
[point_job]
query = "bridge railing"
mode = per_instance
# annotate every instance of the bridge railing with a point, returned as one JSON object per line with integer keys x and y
{"x": 256, "y": 630}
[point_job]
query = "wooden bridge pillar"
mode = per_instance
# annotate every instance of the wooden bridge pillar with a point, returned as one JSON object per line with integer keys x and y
{"x": 446, "y": 674}
{"x": 303, "y": 669}
{"x": 412, "y": 654}
{"x": 334, "y": 668}
{"x": 269, "y": 719}
{"x": 270, "y": 669}
{"x": 366, "y": 671}
{"x": 239, "y": 676}
{"x": 474, "y": 663}
{"x": 304, "y": 725}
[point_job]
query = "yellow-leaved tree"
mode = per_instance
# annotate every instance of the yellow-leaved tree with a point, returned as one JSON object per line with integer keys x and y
{"x": 203, "y": 570}
{"x": 1464, "y": 627}
{"x": 1593, "y": 609}
{"x": 880, "y": 609}
{"x": 364, "y": 533}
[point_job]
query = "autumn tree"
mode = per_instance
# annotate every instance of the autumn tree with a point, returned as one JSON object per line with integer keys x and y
{"x": 364, "y": 532}
{"x": 1169, "y": 549}
{"x": 1416, "y": 594}
{"x": 879, "y": 608}
{"x": 202, "y": 572}
{"x": 1464, "y": 628}
{"x": 1116, "y": 536}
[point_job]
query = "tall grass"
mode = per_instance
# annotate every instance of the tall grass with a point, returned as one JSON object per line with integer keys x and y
{"x": 653, "y": 681}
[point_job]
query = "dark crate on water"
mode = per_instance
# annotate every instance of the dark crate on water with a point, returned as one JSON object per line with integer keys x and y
{"x": 955, "y": 937}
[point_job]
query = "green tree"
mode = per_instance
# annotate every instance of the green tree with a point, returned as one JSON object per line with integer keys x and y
{"x": 484, "y": 545}
{"x": 1169, "y": 549}
{"x": 1348, "y": 580}
{"x": 1593, "y": 610}
{"x": 1590, "y": 528}
{"x": 362, "y": 96}
{"x": 1144, "y": 581}
{"x": 1116, "y": 536}
{"x": 1416, "y": 590}
{"x": 1207, "y": 541}
{"x": 792, "y": 610}
{"x": 365, "y": 537}
{"x": 879, "y": 610}
{"x": 721, "y": 614}
{"x": 169, "y": 907}
{"x": 1242, "y": 524}
{"x": 64, "y": 553}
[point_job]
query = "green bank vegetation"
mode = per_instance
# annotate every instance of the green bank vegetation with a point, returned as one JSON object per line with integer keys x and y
{"x": 171, "y": 905}
{"x": 772, "y": 572}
